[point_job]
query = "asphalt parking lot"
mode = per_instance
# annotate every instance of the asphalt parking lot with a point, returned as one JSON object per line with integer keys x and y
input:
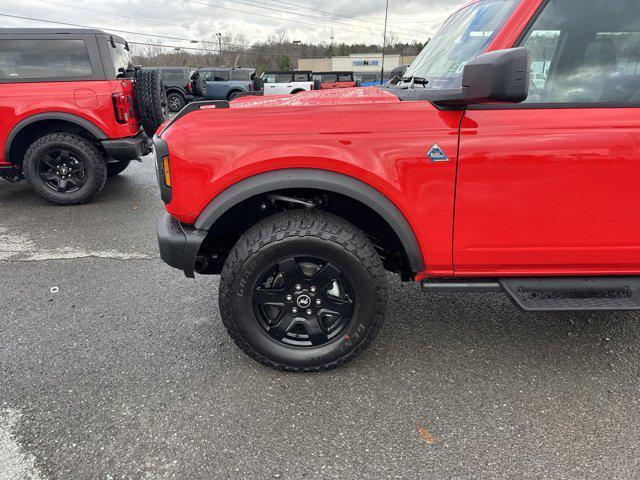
{"x": 114, "y": 366}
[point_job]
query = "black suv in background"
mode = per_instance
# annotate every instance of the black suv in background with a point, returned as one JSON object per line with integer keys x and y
{"x": 182, "y": 84}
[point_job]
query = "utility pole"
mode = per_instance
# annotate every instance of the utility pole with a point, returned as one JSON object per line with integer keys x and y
{"x": 332, "y": 37}
{"x": 384, "y": 42}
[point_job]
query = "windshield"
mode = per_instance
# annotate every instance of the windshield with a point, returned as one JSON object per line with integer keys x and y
{"x": 121, "y": 57}
{"x": 464, "y": 36}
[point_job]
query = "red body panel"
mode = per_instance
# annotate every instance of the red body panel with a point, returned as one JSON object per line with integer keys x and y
{"x": 533, "y": 192}
{"x": 90, "y": 100}
{"x": 548, "y": 191}
{"x": 331, "y": 85}
{"x": 209, "y": 153}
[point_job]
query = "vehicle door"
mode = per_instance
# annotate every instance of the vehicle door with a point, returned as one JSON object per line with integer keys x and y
{"x": 550, "y": 186}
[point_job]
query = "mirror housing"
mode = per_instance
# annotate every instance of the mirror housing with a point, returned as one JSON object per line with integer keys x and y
{"x": 501, "y": 76}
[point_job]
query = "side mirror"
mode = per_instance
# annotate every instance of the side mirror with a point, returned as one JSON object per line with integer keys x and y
{"x": 501, "y": 76}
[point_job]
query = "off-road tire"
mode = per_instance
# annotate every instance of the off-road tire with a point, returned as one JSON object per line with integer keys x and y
{"x": 150, "y": 100}
{"x": 302, "y": 233}
{"x": 117, "y": 168}
{"x": 96, "y": 168}
{"x": 234, "y": 95}
{"x": 200, "y": 86}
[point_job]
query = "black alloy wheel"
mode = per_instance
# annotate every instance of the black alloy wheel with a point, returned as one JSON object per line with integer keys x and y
{"x": 303, "y": 302}
{"x": 65, "y": 168}
{"x": 303, "y": 291}
{"x": 62, "y": 171}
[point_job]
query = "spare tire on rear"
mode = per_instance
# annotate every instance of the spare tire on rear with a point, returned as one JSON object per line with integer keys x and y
{"x": 199, "y": 85}
{"x": 150, "y": 100}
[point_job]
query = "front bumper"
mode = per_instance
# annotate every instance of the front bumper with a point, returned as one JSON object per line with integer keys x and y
{"x": 179, "y": 244}
{"x": 129, "y": 148}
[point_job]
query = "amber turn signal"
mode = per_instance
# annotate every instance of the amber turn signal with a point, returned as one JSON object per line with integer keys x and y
{"x": 167, "y": 171}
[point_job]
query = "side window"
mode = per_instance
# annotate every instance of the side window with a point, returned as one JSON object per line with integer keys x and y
{"x": 206, "y": 75}
{"x": 40, "y": 59}
{"x": 220, "y": 76}
{"x": 283, "y": 78}
{"x": 269, "y": 78}
{"x": 585, "y": 55}
{"x": 241, "y": 75}
{"x": 173, "y": 76}
{"x": 301, "y": 77}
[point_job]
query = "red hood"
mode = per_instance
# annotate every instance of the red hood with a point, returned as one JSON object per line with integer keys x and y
{"x": 341, "y": 96}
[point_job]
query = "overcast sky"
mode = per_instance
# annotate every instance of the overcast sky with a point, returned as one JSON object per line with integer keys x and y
{"x": 309, "y": 21}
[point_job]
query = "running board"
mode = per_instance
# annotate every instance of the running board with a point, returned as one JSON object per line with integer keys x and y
{"x": 555, "y": 294}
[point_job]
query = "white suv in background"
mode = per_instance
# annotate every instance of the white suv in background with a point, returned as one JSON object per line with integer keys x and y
{"x": 285, "y": 83}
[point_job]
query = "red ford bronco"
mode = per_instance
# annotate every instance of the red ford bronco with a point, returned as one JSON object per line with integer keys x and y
{"x": 71, "y": 110}
{"x": 330, "y": 80}
{"x": 465, "y": 176}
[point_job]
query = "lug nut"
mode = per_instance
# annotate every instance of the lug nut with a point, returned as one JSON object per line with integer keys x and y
{"x": 289, "y": 298}
{"x": 298, "y": 287}
{"x": 312, "y": 289}
{"x": 318, "y": 302}
{"x": 309, "y": 312}
{"x": 294, "y": 310}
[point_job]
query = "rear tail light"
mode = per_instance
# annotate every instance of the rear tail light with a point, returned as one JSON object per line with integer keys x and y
{"x": 121, "y": 107}
{"x": 251, "y": 87}
{"x": 189, "y": 87}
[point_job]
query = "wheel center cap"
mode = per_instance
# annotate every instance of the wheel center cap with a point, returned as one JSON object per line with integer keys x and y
{"x": 304, "y": 301}
{"x": 63, "y": 171}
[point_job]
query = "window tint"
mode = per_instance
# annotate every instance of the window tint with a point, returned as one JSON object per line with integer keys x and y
{"x": 121, "y": 58}
{"x": 330, "y": 78}
{"x": 207, "y": 75}
{"x": 300, "y": 77}
{"x": 283, "y": 78}
{"x": 241, "y": 75}
{"x": 173, "y": 76}
{"x": 585, "y": 55}
{"x": 220, "y": 76}
{"x": 346, "y": 77}
{"x": 38, "y": 59}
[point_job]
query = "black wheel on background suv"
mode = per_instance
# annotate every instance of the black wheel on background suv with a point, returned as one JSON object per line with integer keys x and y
{"x": 303, "y": 291}
{"x": 175, "y": 101}
{"x": 65, "y": 168}
{"x": 116, "y": 168}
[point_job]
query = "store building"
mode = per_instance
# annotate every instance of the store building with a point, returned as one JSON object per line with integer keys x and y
{"x": 366, "y": 66}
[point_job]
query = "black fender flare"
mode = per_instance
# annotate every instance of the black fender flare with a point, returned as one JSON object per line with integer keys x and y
{"x": 66, "y": 117}
{"x": 318, "y": 180}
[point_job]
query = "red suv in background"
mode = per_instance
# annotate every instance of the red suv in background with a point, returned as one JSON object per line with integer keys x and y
{"x": 331, "y": 80}
{"x": 73, "y": 110}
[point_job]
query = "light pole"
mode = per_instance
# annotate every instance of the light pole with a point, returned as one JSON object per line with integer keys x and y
{"x": 219, "y": 35}
{"x": 384, "y": 42}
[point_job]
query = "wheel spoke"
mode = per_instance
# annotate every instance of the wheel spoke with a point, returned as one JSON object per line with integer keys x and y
{"x": 50, "y": 162}
{"x": 315, "y": 331}
{"x": 291, "y": 272}
{"x": 77, "y": 181}
{"x": 65, "y": 157}
{"x": 280, "y": 330}
{"x": 326, "y": 275}
{"x": 77, "y": 168}
{"x": 264, "y": 296}
{"x": 62, "y": 185}
{"x": 47, "y": 177}
{"x": 344, "y": 308}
